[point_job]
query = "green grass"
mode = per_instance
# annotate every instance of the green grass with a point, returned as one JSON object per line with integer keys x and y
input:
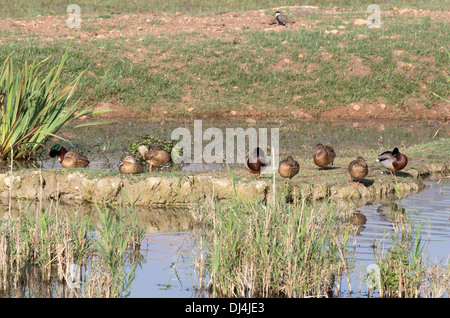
{"x": 214, "y": 76}
{"x": 277, "y": 250}
{"x": 39, "y": 247}
{"x": 44, "y": 7}
{"x": 438, "y": 150}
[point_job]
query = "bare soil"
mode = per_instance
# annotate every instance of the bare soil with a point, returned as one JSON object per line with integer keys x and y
{"x": 227, "y": 26}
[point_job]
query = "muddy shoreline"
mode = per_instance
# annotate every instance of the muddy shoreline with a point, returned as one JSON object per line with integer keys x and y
{"x": 164, "y": 191}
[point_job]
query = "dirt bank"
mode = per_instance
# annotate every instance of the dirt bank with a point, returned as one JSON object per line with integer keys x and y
{"x": 79, "y": 185}
{"x": 231, "y": 27}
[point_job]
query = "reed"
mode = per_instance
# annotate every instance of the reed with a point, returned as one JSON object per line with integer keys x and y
{"x": 93, "y": 256}
{"x": 275, "y": 250}
{"x": 405, "y": 272}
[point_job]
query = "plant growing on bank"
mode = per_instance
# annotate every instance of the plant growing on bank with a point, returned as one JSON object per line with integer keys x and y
{"x": 403, "y": 270}
{"x": 40, "y": 249}
{"x": 34, "y": 106}
{"x": 280, "y": 249}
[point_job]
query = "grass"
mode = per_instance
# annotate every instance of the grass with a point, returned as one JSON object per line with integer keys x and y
{"x": 438, "y": 150}
{"x": 275, "y": 250}
{"x": 263, "y": 70}
{"x": 299, "y": 249}
{"x": 88, "y": 254}
{"x": 404, "y": 271}
{"x": 42, "y": 7}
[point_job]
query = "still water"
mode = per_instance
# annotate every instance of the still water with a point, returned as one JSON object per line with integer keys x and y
{"x": 169, "y": 269}
{"x": 169, "y": 254}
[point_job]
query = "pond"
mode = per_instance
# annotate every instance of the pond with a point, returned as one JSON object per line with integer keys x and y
{"x": 171, "y": 246}
{"x": 169, "y": 269}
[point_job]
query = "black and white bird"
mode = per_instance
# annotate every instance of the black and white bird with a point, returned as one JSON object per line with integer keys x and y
{"x": 282, "y": 19}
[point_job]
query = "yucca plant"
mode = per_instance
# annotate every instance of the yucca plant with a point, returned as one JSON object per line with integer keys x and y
{"x": 34, "y": 107}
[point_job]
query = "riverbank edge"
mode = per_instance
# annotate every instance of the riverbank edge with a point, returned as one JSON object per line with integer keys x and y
{"x": 79, "y": 185}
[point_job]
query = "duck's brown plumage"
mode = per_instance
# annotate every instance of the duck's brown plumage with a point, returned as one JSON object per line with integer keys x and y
{"x": 68, "y": 159}
{"x": 323, "y": 155}
{"x": 256, "y": 161}
{"x": 288, "y": 168}
{"x": 393, "y": 160}
{"x": 154, "y": 156}
{"x": 358, "y": 169}
{"x": 129, "y": 164}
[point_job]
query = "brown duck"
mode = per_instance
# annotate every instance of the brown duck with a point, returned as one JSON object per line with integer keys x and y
{"x": 358, "y": 169}
{"x": 255, "y": 162}
{"x": 393, "y": 160}
{"x": 68, "y": 159}
{"x": 323, "y": 155}
{"x": 154, "y": 156}
{"x": 288, "y": 168}
{"x": 129, "y": 164}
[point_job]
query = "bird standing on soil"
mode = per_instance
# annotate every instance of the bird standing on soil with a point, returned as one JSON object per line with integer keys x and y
{"x": 129, "y": 164}
{"x": 288, "y": 168}
{"x": 358, "y": 169}
{"x": 323, "y": 155}
{"x": 393, "y": 160}
{"x": 154, "y": 156}
{"x": 255, "y": 162}
{"x": 282, "y": 19}
{"x": 68, "y": 159}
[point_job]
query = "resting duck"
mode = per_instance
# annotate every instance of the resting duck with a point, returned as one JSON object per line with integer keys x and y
{"x": 323, "y": 155}
{"x": 154, "y": 156}
{"x": 288, "y": 168}
{"x": 129, "y": 164}
{"x": 393, "y": 160}
{"x": 68, "y": 159}
{"x": 358, "y": 169}
{"x": 255, "y": 162}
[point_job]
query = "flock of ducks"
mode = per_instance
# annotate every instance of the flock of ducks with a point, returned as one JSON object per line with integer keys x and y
{"x": 256, "y": 161}
{"x": 324, "y": 156}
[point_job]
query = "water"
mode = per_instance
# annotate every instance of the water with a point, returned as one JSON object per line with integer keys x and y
{"x": 169, "y": 269}
{"x": 169, "y": 252}
{"x": 105, "y": 144}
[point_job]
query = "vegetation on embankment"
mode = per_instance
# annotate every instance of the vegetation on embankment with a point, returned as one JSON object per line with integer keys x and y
{"x": 24, "y": 8}
{"x": 185, "y": 188}
{"x": 239, "y": 64}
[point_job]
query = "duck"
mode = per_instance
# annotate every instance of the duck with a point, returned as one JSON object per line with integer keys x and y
{"x": 68, "y": 159}
{"x": 154, "y": 156}
{"x": 255, "y": 162}
{"x": 129, "y": 164}
{"x": 282, "y": 19}
{"x": 393, "y": 160}
{"x": 288, "y": 167}
{"x": 358, "y": 169}
{"x": 323, "y": 155}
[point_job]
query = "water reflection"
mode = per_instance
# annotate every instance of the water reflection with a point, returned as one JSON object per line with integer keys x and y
{"x": 169, "y": 270}
{"x": 105, "y": 144}
{"x": 171, "y": 246}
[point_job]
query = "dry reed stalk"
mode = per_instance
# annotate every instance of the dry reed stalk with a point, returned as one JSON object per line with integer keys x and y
{"x": 10, "y": 184}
